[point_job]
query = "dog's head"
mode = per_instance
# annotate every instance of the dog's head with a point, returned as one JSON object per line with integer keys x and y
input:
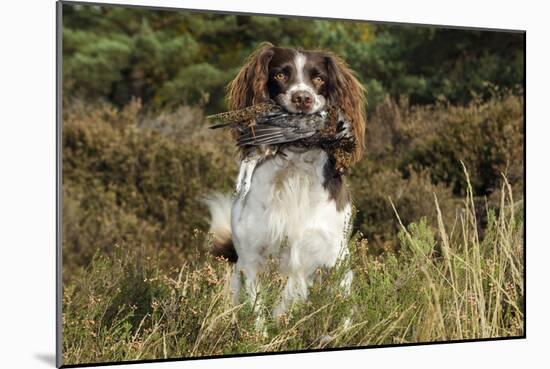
{"x": 301, "y": 81}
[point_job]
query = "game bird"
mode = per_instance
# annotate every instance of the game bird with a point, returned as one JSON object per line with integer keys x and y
{"x": 261, "y": 130}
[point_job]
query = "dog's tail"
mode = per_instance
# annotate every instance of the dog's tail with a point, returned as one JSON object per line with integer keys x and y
{"x": 219, "y": 206}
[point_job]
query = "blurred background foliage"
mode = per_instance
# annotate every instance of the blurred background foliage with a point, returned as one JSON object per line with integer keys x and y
{"x": 137, "y": 152}
{"x": 169, "y": 58}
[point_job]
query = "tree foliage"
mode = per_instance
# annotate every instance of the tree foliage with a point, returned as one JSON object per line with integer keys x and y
{"x": 173, "y": 58}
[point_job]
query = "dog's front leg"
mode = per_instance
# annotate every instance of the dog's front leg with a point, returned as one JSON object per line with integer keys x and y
{"x": 249, "y": 272}
{"x": 249, "y": 263}
{"x": 296, "y": 289}
{"x": 312, "y": 249}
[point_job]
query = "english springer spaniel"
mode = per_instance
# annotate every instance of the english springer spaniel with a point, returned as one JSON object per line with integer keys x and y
{"x": 296, "y": 198}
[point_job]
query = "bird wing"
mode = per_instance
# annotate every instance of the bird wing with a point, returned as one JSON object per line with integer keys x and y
{"x": 221, "y": 125}
{"x": 265, "y": 134}
{"x": 242, "y": 115}
{"x": 269, "y": 124}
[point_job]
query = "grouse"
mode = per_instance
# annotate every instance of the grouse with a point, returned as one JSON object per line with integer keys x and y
{"x": 263, "y": 129}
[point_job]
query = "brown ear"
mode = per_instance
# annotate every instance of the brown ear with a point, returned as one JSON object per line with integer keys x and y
{"x": 347, "y": 93}
{"x": 250, "y": 85}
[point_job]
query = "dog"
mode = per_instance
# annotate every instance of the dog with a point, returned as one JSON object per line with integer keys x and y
{"x": 296, "y": 198}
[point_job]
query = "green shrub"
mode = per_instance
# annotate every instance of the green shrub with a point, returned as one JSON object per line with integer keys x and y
{"x": 414, "y": 152}
{"x": 487, "y": 137}
{"x": 412, "y": 197}
{"x": 132, "y": 179}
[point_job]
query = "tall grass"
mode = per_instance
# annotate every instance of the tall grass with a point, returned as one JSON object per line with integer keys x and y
{"x": 461, "y": 281}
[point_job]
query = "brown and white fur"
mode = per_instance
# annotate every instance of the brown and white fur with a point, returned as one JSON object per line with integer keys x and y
{"x": 296, "y": 198}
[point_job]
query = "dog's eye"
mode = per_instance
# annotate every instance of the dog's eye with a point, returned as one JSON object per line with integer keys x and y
{"x": 318, "y": 80}
{"x": 280, "y": 76}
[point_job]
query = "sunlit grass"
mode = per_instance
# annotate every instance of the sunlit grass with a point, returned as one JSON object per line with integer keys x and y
{"x": 450, "y": 280}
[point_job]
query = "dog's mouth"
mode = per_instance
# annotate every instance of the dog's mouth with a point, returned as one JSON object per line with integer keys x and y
{"x": 294, "y": 110}
{"x": 283, "y": 101}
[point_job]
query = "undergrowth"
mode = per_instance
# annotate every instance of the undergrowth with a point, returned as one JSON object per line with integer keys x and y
{"x": 447, "y": 282}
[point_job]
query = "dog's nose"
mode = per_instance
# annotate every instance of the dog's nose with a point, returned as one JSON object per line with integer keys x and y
{"x": 302, "y": 100}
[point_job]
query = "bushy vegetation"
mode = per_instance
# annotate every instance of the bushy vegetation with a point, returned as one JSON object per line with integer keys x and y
{"x": 446, "y": 283}
{"x": 415, "y": 151}
{"x": 129, "y": 177}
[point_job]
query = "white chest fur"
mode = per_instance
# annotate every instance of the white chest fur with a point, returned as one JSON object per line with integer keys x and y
{"x": 288, "y": 213}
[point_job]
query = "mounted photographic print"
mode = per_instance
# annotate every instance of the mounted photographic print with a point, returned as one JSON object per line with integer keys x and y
{"x": 235, "y": 184}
